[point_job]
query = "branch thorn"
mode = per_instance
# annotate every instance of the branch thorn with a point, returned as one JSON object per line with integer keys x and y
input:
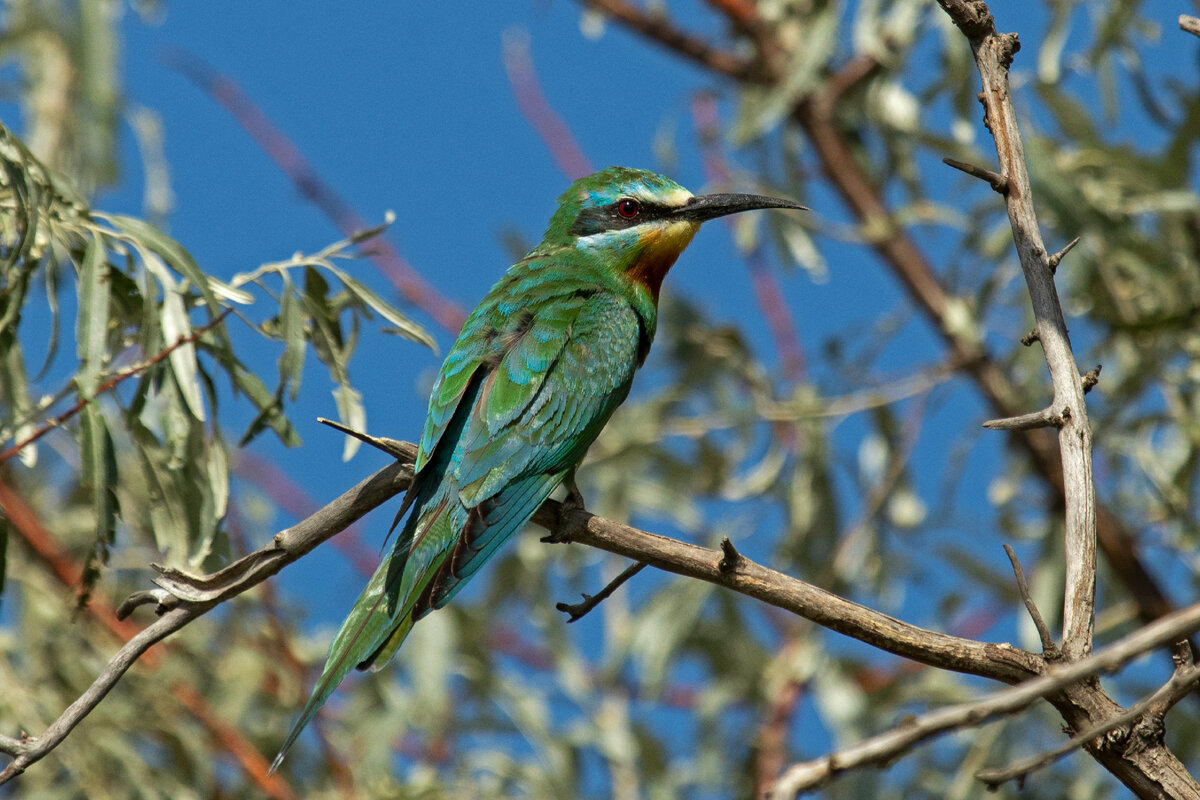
{"x": 392, "y": 447}
{"x": 1053, "y": 261}
{"x": 1049, "y": 648}
{"x": 1091, "y": 378}
{"x": 994, "y": 179}
{"x": 1031, "y": 337}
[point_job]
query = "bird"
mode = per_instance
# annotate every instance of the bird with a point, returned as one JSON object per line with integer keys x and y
{"x": 537, "y": 370}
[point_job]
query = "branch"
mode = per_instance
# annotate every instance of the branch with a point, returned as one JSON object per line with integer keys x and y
{"x": 1143, "y": 719}
{"x": 993, "y": 55}
{"x": 883, "y": 749}
{"x": 575, "y": 611}
{"x": 195, "y": 597}
{"x": 660, "y": 29}
{"x": 111, "y": 384}
{"x": 1049, "y": 648}
{"x": 730, "y": 569}
{"x": 548, "y": 125}
{"x": 1189, "y": 24}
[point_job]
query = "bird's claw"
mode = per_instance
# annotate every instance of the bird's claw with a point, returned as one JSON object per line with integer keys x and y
{"x": 571, "y": 503}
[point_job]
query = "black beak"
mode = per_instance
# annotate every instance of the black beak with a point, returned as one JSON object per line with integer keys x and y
{"x": 711, "y": 206}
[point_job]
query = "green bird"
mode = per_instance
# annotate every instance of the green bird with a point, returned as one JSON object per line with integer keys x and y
{"x": 539, "y": 367}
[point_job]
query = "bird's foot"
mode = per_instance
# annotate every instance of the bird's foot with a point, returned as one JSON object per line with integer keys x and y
{"x": 571, "y": 503}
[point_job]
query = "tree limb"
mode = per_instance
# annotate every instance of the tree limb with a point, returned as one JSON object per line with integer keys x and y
{"x": 883, "y": 749}
{"x": 197, "y": 597}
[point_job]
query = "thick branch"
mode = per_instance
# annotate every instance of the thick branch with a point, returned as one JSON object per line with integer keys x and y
{"x": 993, "y": 54}
{"x": 1001, "y": 662}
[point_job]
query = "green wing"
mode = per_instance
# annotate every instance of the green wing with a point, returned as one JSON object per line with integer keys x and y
{"x": 524, "y": 391}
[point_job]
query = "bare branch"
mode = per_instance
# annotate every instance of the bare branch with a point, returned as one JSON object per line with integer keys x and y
{"x": 1091, "y": 378}
{"x": 1143, "y": 718}
{"x": 522, "y": 77}
{"x": 309, "y": 183}
{"x": 881, "y": 750}
{"x": 1049, "y": 648}
{"x": 1190, "y": 24}
{"x": 661, "y": 30}
{"x": 393, "y": 447}
{"x": 993, "y": 55}
{"x": 575, "y": 611}
{"x": 1001, "y": 662}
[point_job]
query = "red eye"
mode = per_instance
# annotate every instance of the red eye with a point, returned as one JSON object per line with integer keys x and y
{"x": 628, "y": 208}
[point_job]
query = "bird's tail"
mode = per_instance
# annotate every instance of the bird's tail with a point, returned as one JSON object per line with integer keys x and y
{"x": 380, "y": 619}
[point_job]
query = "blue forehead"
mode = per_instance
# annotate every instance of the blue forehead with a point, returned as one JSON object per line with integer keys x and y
{"x": 607, "y": 186}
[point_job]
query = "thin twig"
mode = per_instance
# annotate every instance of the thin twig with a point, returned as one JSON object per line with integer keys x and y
{"x": 994, "y": 179}
{"x": 111, "y": 384}
{"x": 1049, "y": 648}
{"x": 575, "y": 611}
{"x": 1053, "y": 261}
{"x": 1190, "y": 24}
{"x": 393, "y": 447}
{"x": 1045, "y": 418}
{"x": 1091, "y": 378}
{"x": 882, "y": 750}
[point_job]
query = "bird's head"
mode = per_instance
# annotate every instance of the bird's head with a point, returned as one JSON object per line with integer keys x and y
{"x": 637, "y": 222}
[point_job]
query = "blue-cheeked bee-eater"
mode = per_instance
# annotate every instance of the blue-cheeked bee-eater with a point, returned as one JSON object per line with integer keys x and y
{"x": 539, "y": 367}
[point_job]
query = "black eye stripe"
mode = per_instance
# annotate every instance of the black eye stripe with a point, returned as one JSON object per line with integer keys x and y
{"x": 609, "y": 218}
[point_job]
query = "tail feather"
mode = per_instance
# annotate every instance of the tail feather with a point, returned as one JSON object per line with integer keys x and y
{"x": 378, "y": 623}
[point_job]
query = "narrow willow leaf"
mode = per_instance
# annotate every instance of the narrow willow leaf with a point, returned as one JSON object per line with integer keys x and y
{"x": 404, "y": 325}
{"x": 99, "y": 478}
{"x": 15, "y": 391}
{"x": 291, "y": 329}
{"x": 176, "y": 326}
{"x": 173, "y": 253}
{"x": 91, "y": 330}
{"x": 352, "y": 414}
{"x": 270, "y": 409}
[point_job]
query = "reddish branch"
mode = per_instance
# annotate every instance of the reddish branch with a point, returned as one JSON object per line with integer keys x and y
{"x": 67, "y": 571}
{"x": 548, "y": 125}
{"x": 310, "y": 184}
{"x": 111, "y": 384}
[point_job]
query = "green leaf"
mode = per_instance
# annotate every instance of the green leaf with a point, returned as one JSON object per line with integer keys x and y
{"x": 405, "y": 326}
{"x": 177, "y": 326}
{"x": 91, "y": 331}
{"x": 352, "y": 414}
{"x": 176, "y": 257}
{"x": 270, "y": 409}
{"x": 291, "y": 329}
{"x": 99, "y": 478}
